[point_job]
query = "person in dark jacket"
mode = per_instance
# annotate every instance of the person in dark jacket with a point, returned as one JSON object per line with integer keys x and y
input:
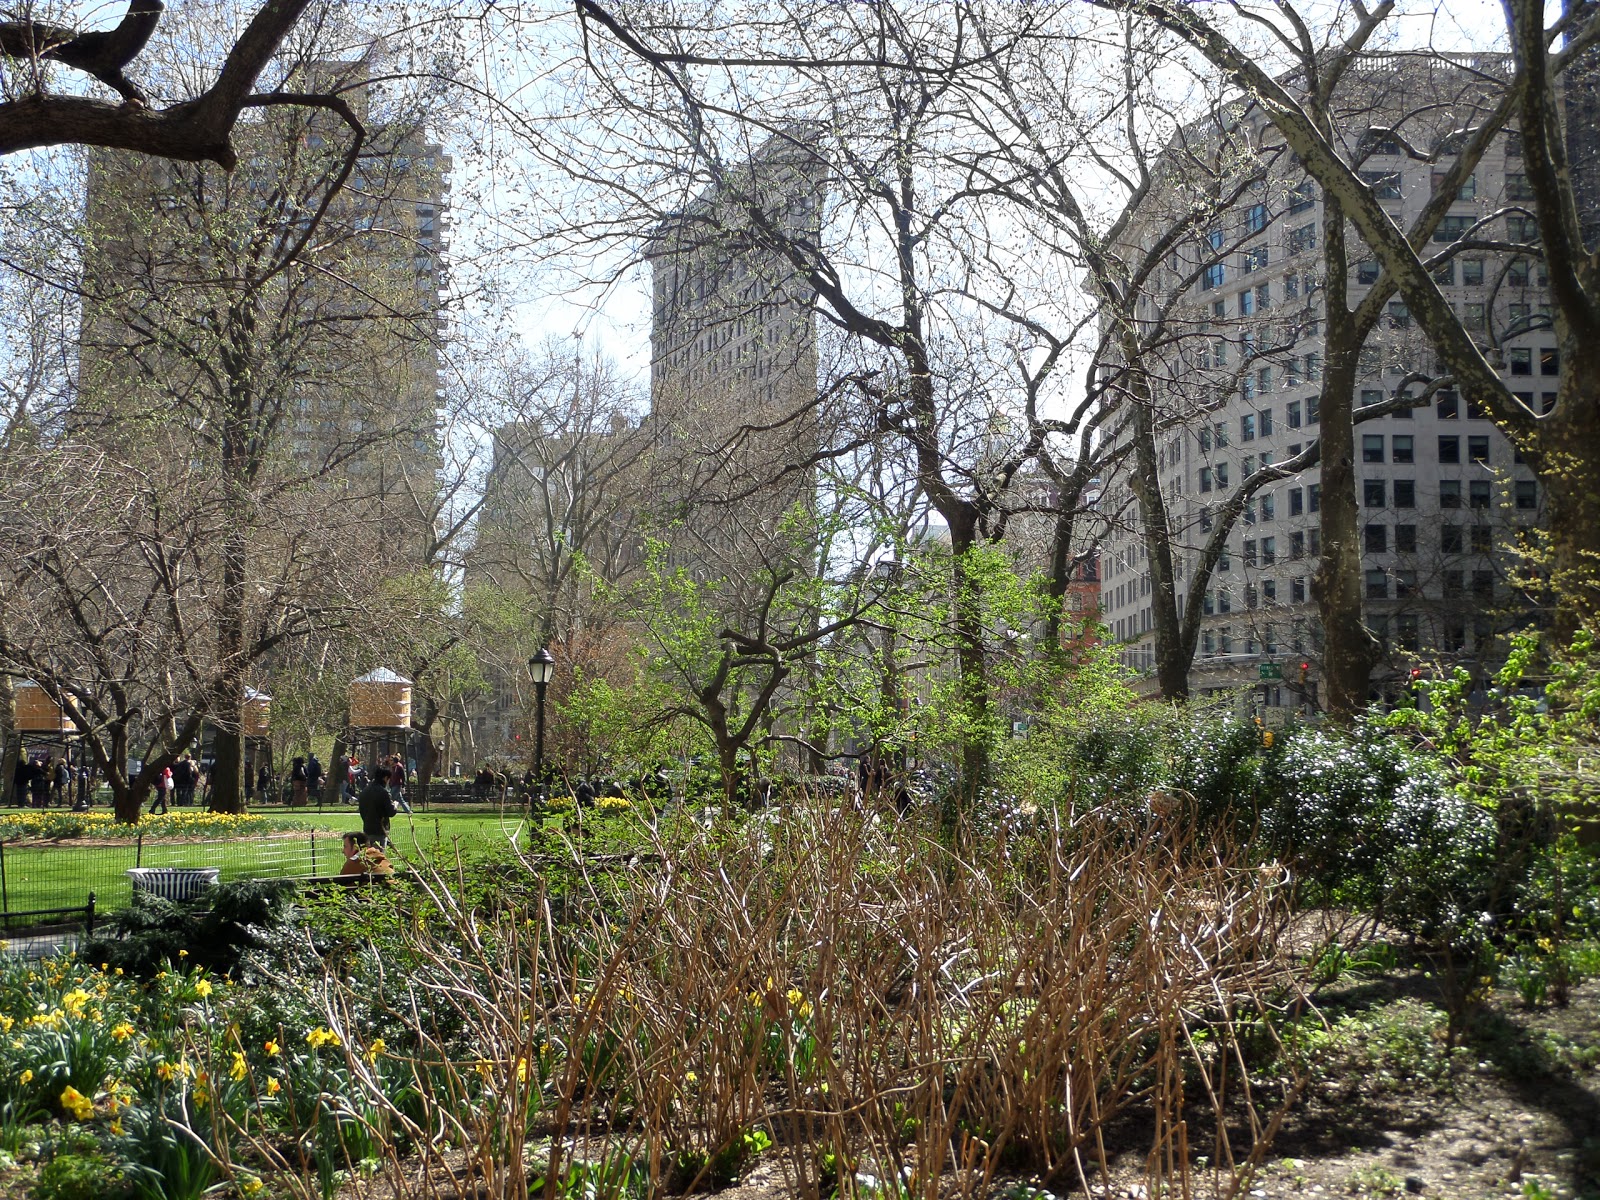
{"x": 297, "y": 782}
{"x": 39, "y": 782}
{"x": 61, "y": 782}
{"x": 376, "y": 809}
{"x": 264, "y": 783}
{"x": 314, "y": 776}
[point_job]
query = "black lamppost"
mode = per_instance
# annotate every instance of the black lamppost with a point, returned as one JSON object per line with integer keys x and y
{"x": 542, "y": 666}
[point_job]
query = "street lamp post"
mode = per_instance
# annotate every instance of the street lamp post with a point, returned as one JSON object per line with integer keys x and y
{"x": 542, "y": 667}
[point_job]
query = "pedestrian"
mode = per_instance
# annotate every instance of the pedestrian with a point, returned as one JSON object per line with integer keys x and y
{"x": 186, "y": 774}
{"x": 297, "y": 783}
{"x": 583, "y": 794}
{"x": 163, "y": 791}
{"x": 376, "y": 808}
{"x": 397, "y": 784}
{"x": 314, "y": 776}
{"x": 38, "y": 784}
{"x": 264, "y": 783}
{"x": 61, "y": 781}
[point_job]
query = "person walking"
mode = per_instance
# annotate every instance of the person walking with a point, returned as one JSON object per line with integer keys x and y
{"x": 297, "y": 782}
{"x": 264, "y": 783}
{"x": 61, "y": 781}
{"x": 163, "y": 791}
{"x": 314, "y": 776}
{"x": 397, "y": 784}
{"x": 186, "y": 774}
{"x": 376, "y": 807}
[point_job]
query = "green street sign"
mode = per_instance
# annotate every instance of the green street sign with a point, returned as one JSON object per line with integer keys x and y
{"x": 1271, "y": 671}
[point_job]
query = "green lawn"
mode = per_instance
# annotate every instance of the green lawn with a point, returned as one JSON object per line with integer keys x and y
{"x": 63, "y": 874}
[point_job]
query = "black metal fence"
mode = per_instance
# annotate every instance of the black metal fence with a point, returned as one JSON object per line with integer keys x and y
{"x": 37, "y": 876}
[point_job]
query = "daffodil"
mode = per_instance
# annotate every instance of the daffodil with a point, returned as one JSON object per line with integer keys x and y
{"x": 273, "y": 1087}
{"x": 76, "y": 1103}
{"x": 202, "y": 989}
{"x": 376, "y": 1049}
{"x": 122, "y": 1031}
{"x": 320, "y": 1037}
{"x": 25, "y": 1079}
{"x": 238, "y": 1070}
{"x": 272, "y": 1048}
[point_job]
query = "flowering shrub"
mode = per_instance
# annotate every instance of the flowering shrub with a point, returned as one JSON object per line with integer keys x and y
{"x": 613, "y": 805}
{"x": 183, "y": 823}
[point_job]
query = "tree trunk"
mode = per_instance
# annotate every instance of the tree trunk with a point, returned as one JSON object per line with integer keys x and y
{"x": 1349, "y": 649}
{"x": 1569, "y": 472}
{"x": 972, "y": 672}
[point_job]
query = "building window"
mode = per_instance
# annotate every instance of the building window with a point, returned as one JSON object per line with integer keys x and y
{"x": 1255, "y": 218}
{"x": 1478, "y": 448}
{"x": 1269, "y": 508}
{"x": 1269, "y": 551}
{"x": 1482, "y": 539}
{"x": 1517, "y": 186}
{"x": 1445, "y": 276}
{"x": 1549, "y": 360}
{"x": 1405, "y": 539}
{"x": 1205, "y": 439}
{"x": 1403, "y": 448}
{"x": 1247, "y": 303}
{"x": 1406, "y": 632}
{"x": 1264, "y": 416}
{"x": 1302, "y": 197}
{"x": 1474, "y": 315}
{"x": 1478, "y": 494}
{"x": 1367, "y": 271}
{"x": 1291, "y": 414}
{"x": 1527, "y": 492}
{"x": 1297, "y": 545}
{"x": 1205, "y": 479}
{"x": 1297, "y": 590}
{"x": 1373, "y": 493}
{"x": 1247, "y": 427}
{"x": 1375, "y": 539}
{"x": 1483, "y": 584}
{"x": 1451, "y": 540}
{"x": 1208, "y": 606}
{"x": 1449, "y": 406}
{"x": 1449, "y": 449}
{"x": 1405, "y": 584}
{"x": 1249, "y": 555}
{"x": 1450, "y": 493}
{"x": 1472, "y": 272}
{"x": 1314, "y": 497}
{"x": 1405, "y": 493}
{"x": 1297, "y": 501}
{"x": 1372, "y": 447}
{"x": 1377, "y": 585}
{"x": 1314, "y": 542}
{"x": 1219, "y": 433}
{"x": 1521, "y": 359}
{"x": 1224, "y": 601}
{"x": 1213, "y": 277}
{"x": 1452, "y": 228}
{"x": 1302, "y": 239}
{"x": 1222, "y": 475}
{"x": 1399, "y": 315}
{"x": 1455, "y": 583}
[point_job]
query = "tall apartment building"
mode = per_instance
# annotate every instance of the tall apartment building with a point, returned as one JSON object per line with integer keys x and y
{"x": 1441, "y": 489}
{"x": 733, "y": 373}
{"x": 340, "y": 350}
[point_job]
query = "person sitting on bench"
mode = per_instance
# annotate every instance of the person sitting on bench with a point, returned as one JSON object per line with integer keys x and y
{"x": 361, "y": 857}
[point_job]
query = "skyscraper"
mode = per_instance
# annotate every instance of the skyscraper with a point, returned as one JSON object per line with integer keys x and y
{"x": 733, "y": 377}
{"x": 1442, "y": 492}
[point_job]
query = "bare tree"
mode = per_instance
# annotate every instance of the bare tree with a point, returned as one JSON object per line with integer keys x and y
{"x": 1548, "y": 65}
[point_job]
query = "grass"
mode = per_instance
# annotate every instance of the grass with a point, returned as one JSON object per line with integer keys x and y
{"x": 62, "y": 876}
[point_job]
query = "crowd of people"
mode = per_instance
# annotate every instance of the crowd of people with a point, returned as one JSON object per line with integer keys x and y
{"x": 46, "y": 780}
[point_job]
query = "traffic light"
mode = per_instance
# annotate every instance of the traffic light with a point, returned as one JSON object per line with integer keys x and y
{"x": 1305, "y": 670}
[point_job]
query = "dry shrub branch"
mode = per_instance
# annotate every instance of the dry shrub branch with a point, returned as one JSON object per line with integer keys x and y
{"x": 889, "y": 1015}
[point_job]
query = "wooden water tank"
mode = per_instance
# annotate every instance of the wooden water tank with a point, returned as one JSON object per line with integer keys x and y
{"x": 37, "y": 713}
{"x": 380, "y": 699}
{"x": 256, "y": 718}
